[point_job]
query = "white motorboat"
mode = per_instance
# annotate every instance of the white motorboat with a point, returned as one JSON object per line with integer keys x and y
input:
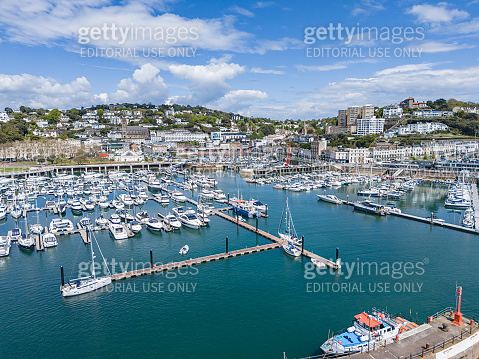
{"x": 185, "y": 249}
{"x": 36, "y": 228}
{"x": 101, "y": 221}
{"x": 76, "y": 206}
{"x": 330, "y": 198}
{"x": 85, "y": 222}
{"x": 16, "y": 212}
{"x": 15, "y": 234}
{"x": 177, "y": 196}
{"x": 3, "y": 212}
{"x": 59, "y": 225}
{"x": 118, "y": 231}
{"x": 5, "y": 244}
{"x": 190, "y": 220}
{"x": 115, "y": 218}
{"x": 118, "y": 204}
{"x": 135, "y": 226}
{"x": 142, "y": 216}
{"x": 89, "y": 205}
{"x": 172, "y": 221}
{"x": 125, "y": 215}
{"x": 163, "y": 199}
{"x": 154, "y": 224}
{"x": 49, "y": 240}
{"x": 317, "y": 263}
{"x": 126, "y": 199}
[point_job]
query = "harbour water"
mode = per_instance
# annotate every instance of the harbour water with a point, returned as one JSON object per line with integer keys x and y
{"x": 255, "y": 306}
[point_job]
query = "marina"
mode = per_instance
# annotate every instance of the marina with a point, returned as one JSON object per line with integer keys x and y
{"x": 228, "y": 235}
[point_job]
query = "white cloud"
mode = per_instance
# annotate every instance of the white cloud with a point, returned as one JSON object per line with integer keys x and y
{"x": 404, "y": 68}
{"x": 437, "y": 14}
{"x": 207, "y": 82}
{"x": 277, "y": 45}
{"x": 258, "y": 70}
{"x": 435, "y": 46}
{"x": 39, "y": 91}
{"x": 263, "y": 4}
{"x": 240, "y": 101}
{"x": 144, "y": 86}
{"x": 242, "y": 11}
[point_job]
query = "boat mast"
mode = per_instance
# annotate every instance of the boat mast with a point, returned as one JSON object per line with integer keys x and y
{"x": 92, "y": 254}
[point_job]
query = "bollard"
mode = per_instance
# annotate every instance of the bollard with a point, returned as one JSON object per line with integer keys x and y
{"x": 226, "y": 244}
{"x": 63, "y": 278}
{"x": 151, "y": 258}
{"x": 337, "y": 254}
{"x": 256, "y": 224}
{"x": 302, "y": 244}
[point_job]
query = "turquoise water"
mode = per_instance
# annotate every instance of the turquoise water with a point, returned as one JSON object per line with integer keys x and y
{"x": 255, "y": 306}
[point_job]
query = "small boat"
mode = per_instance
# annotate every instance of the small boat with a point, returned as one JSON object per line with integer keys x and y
{"x": 125, "y": 215}
{"x": 36, "y": 228}
{"x": 118, "y": 231}
{"x": 76, "y": 206}
{"x": 291, "y": 250}
{"x": 184, "y": 249}
{"x": 16, "y": 212}
{"x": 286, "y": 229}
{"x": 163, "y": 199}
{"x": 3, "y": 212}
{"x": 5, "y": 243}
{"x": 117, "y": 204}
{"x": 89, "y": 205}
{"x": 49, "y": 240}
{"x": 154, "y": 224}
{"x": 317, "y": 263}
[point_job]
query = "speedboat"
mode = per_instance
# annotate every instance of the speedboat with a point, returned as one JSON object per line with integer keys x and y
{"x": 59, "y": 225}
{"x": 16, "y": 212}
{"x": 118, "y": 204}
{"x": 49, "y": 240}
{"x": 184, "y": 249}
{"x": 163, "y": 199}
{"x": 115, "y": 219}
{"x": 36, "y": 228}
{"x": 177, "y": 196}
{"x": 77, "y": 206}
{"x": 3, "y": 212}
{"x": 101, "y": 221}
{"x": 317, "y": 263}
{"x": 330, "y": 198}
{"x": 172, "y": 221}
{"x": 89, "y": 205}
{"x": 190, "y": 220}
{"x": 5, "y": 243}
{"x": 118, "y": 231}
{"x": 154, "y": 224}
{"x": 26, "y": 241}
{"x": 125, "y": 215}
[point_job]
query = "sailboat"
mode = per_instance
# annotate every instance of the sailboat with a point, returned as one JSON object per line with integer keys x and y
{"x": 87, "y": 284}
{"x": 286, "y": 229}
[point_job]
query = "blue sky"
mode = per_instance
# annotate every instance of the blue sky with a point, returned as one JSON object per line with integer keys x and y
{"x": 248, "y": 57}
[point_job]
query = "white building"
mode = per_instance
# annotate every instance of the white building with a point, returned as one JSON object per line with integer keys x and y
{"x": 432, "y": 113}
{"x": 227, "y": 136}
{"x": 90, "y": 116}
{"x": 367, "y": 111}
{"x": 369, "y": 126}
{"x": 421, "y": 127}
{"x": 4, "y": 117}
{"x": 179, "y": 136}
{"x": 466, "y": 109}
{"x": 392, "y": 111}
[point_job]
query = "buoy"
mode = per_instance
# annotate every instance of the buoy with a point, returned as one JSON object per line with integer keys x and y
{"x": 397, "y": 337}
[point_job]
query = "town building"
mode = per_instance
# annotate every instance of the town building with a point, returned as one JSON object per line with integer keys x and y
{"x": 392, "y": 111}
{"x": 370, "y": 126}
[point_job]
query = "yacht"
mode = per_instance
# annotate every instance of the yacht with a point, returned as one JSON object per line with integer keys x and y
{"x": 163, "y": 199}
{"x": 286, "y": 230}
{"x": 15, "y": 234}
{"x": 184, "y": 250}
{"x": 330, "y": 198}
{"x": 135, "y": 226}
{"x": 36, "y": 228}
{"x": 126, "y": 199}
{"x": 142, "y": 216}
{"x": 59, "y": 225}
{"x": 219, "y": 196}
{"x": 26, "y": 241}
{"x": 172, "y": 221}
{"x": 86, "y": 284}
{"x": 125, "y": 215}
{"x": 154, "y": 224}
{"x": 370, "y": 207}
{"x": 190, "y": 220}
{"x": 16, "y": 212}
{"x": 5, "y": 244}
{"x": 3, "y": 212}
{"x": 76, "y": 206}
{"x": 85, "y": 222}
{"x": 89, "y": 205}
{"x": 101, "y": 221}
{"x": 177, "y": 196}
{"x": 117, "y": 204}
{"x": 118, "y": 231}
{"x": 49, "y": 240}
{"x": 207, "y": 194}
{"x": 115, "y": 218}
{"x": 291, "y": 250}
